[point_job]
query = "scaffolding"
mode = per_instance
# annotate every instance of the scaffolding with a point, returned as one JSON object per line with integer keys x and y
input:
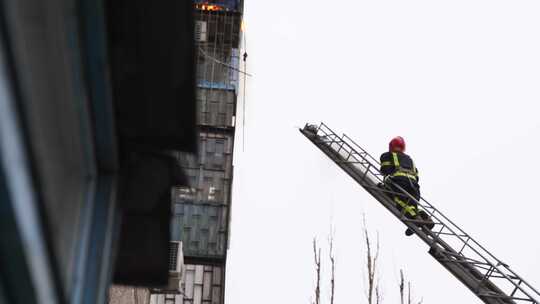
{"x": 486, "y": 276}
{"x": 201, "y": 211}
{"x": 217, "y": 36}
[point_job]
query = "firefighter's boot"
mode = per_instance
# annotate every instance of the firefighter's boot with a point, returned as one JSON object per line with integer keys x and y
{"x": 422, "y": 216}
{"x": 416, "y": 216}
{"x": 409, "y": 232}
{"x": 425, "y": 217}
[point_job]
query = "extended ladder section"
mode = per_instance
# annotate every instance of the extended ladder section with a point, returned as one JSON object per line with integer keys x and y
{"x": 485, "y": 275}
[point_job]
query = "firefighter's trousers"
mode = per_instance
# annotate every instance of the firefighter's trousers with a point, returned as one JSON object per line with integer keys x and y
{"x": 403, "y": 201}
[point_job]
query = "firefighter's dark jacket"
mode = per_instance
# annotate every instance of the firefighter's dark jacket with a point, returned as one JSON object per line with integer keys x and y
{"x": 398, "y": 164}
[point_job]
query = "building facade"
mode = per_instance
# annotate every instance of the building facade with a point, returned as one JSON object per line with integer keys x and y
{"x": 201, "y": 211}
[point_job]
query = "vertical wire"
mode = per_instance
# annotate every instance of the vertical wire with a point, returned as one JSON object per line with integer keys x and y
{"x": 244, "y": 93}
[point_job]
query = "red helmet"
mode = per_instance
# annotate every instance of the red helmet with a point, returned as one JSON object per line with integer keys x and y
{"x": 397, "y": 144}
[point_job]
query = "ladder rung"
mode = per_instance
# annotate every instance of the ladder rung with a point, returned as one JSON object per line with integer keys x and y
{"x": 452, "y": 234}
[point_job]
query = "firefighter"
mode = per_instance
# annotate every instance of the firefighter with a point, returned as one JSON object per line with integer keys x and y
{"x": 398, "y": 169}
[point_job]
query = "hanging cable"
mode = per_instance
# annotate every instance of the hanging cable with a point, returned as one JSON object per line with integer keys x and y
{"x": 223, "y": 63}
{"x": 244, "y": 105}
{"x": 244, "y": 57}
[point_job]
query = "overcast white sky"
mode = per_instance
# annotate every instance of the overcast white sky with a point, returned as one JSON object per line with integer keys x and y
{"x": 460, "y": 80}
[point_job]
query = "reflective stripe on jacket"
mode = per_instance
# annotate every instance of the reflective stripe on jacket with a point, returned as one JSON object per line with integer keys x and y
{"x": 398, "y": 164}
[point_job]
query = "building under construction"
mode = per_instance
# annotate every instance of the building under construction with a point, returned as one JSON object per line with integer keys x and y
{"x": 201, "y": 211}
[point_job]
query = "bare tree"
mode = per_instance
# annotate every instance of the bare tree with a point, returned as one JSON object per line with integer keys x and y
{"x": 401, "y": 286}
{"x": 332, "y": 265}
{"x": 332, "y": 258}
{"x": 378, "y": 295}
{"x": 372, "y": 286}
{"x": 409, "y": 284}
{"x": 403, "y": 292}
{"x": 372, "y": 259}
{"x": 317, "y": 255}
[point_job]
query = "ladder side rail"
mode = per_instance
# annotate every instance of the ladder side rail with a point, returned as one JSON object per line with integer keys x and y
{"x": 349, "y": 142}
{"x": 513, "y": 278}
{"x": 347, "y": 139}
{"x": 431, "y": 206}
{"x": 426, "y": 202}
{"x": 466, "y": 270}
{"x": 359, "y": 176}
{"x": 440, "y": 222}
{"x": 468, "y": 242}
{"x": 435, "y": 210}
{"x": 377, "y": 178}
{"x": 354, "y": 144}
{"x": 469, "y": 238}
{"x": 510, "y": 275}
{"x": 377, "y": 175}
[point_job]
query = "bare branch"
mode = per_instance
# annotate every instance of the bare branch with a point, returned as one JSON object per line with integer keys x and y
{"x": 372, "y": 266}
{"x": 379, "y": 291}
{"x": 402, "y": 286}
{"x": 406, "y": 294}
{"x": 409, "y": 291}
{"x": 377, "y": 247}
{"x": 375, "y": 268}
{"x": 369, "y": 264}
{"x": 332, "y": 265}
{"x": 317, "y": 257}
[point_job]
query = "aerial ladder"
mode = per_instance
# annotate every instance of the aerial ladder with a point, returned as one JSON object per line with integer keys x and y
{"x": 487, "y": 277}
